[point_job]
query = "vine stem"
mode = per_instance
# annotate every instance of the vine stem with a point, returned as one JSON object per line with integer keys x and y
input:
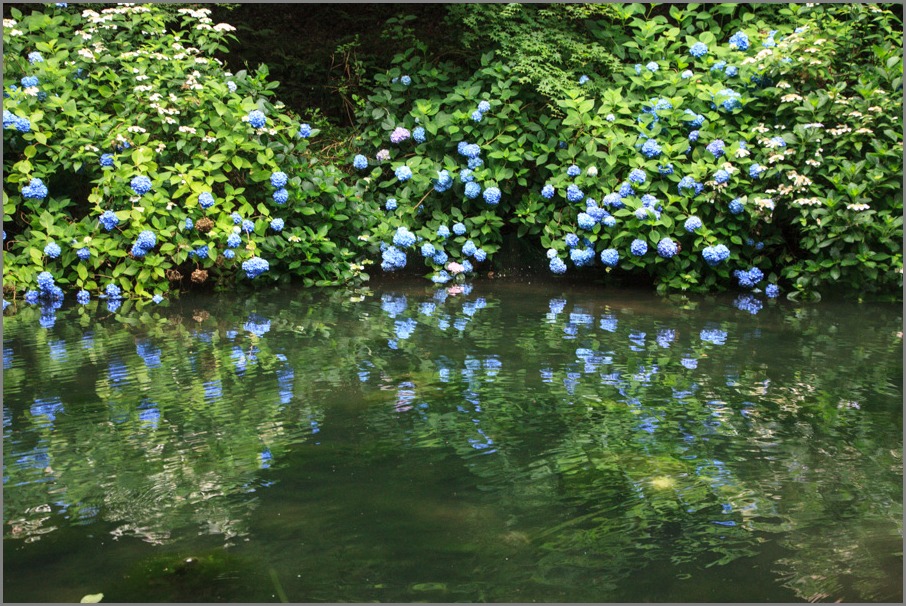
{"x": 422, "y": 200}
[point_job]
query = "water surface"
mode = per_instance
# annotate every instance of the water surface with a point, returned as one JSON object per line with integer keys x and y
{"x": 500, "y": 442}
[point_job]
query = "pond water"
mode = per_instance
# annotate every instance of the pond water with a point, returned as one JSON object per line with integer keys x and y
{"x": 501, "y": 442}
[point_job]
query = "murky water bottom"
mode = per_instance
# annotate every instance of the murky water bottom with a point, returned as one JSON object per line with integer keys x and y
{"x": 501, "y": 442}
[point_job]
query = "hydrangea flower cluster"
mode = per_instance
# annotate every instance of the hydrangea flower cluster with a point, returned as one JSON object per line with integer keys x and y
{"x": 651, "y": 149}
{"x": 492, "y": 196}
{"x": 106, "y": 160}
{"x": 109, "y": 220}
{"x": 360, "y": 162}
{"x": 403, "y": 173}
{"x": 390, "y": 204}
{"x": 472, "y": 190}
{"x": 716, "y": 148}
{"x": 277, "y": 225}
{"x": 83, "y": 253}
{"x": 667, "y": 248}
{"x": 205, "y": 200}
{"x": 145, "y": 242}
{"x": 692, "y": 224}
{"x": 399, "y": 135}
{"x": 610, "y": 257}
{"x": 403, "y": 238}
{"x": 35, "y": 190}
{"x": 418, "y": 134}
{"x": 304, "y": 131}
{"x": 750, "y": 278}
{"x": 112, "y": 291}
{"x": 582, "y": 257}
{"x": 393, "y": 259}
{"x": 557, "y": 266}
{"x": 254, "y": 267}
{"x": 698, "y": 50}
{"x": 141, "y": 185}
{"x": 739, "y": 41}
{"x": 574, "y": 194}
{"x": 52, "y": 250}
{"x": 573, "y": 171}
{"x": 736, "y": 206}
{"x": 755, "y": 170}
{"x": 443, "y": 182}
{"x": 638, "y": 247}
{"x": 637, "y": 176}
{"x": 714, "y": 255}
{"x": 256, "y": 118}
{"x": 383, "y": 155}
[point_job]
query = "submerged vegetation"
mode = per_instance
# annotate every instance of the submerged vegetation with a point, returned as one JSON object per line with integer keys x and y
{"x": 693, "y": 147}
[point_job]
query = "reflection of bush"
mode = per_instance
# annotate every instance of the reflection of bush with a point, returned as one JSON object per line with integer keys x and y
{"x": 672, "y": 429}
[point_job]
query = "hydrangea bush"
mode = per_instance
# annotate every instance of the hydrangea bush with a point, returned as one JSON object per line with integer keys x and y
{"x": 141, "y": 159}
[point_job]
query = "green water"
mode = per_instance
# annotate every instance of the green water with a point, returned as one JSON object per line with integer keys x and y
{"x": 506, "y": 443}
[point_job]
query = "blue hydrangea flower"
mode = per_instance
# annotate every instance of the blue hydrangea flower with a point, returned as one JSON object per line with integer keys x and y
{"x": 638, "y": 247}
{"x": 23, "y": 125}
{"x": 405, "y": 80}
{"x": 492, "y": 196}
{"x": 736, "y": 206}
{"x": 755, "y": 171}
{"x": 692, "y": 223}
{"x": 109, "y": 220}
{"x": 651, "y": 149}
{"x": 721, "y": 176}
{"x": 403, "y": 238}
{"x": 609, "y": 221}
{"x": 360, "y": 162}
{"x": 638, "y": 69}
{"x": 778, "y": 141}
{"x": 480, "y": 255}
{"x": 403, "y": 173}
{"x": 35, "y": 190}
{"x": 9, "y": 119}
{"x": 390, "y": 204}
{"x": 610, "y": 257}
{"x": 304, "y": 131}
{"x": 279, "y": 179}
{"x": 573, "y": 171}
{"x": 277, "y": 224}
{"x": 229, "y": 253}
{"x": 548, "y": 191}
{"x": 469, "y": 248}
{"x": 626, "y": 190}
{"x": 772, "y": 291}
{"x": 641, "y": 214}
{"x": 31, "y": 297}
{"x": 157, "y": 299}
{"x": 574, "y": 194}
{"x": 428, "y": 250}
{"x": 459, "y": 229}
{"x": 248, "y": 226}
{"x": 440, "y": 258}
{"x": 281, "y": 196}
{"x": 714, "y": 255}
{"x": 205, "y": 199}
{"x": 444, "y": 232}
{"x": 731, "y": 70}
{"x": 141, "y": 185}
{"x": 106, "y": 159}
{"x": 693, "y": 136}
{"x": 393, "y": 259}
{"x": 83, "y": 297}
{"x": 35, "y": 57}
{"x": 45, "y": 281}
{"x": 231, "y": 86}
{"x": 585, "y": 221}
{"x": 52, "y": 250}
{"x": 739, "y": 41}
{"x": 257, "y": 119}
{"x": 728, "y": 99}
{"x": 477, "y": 116}
{"x": 443, "y": 182}
{"x": 637, "y": 176}
{"x": 234, "y": 240}
{"x": 769, "y": 41}
{"x": 418, "y": 133}
{"x": 686, "y": 74}
{"x": 237, "y": 219}
{"x": 475, "y": 163}
{"x": 582, "y": 257}
{"x": 201, "y": 252}
{"x": 189, "y": 224}
{"x": 557, "y": 266}
{"x": 698, "y": 50}
{"x": 466, "y": 176}
{"x": 112, "y": 291}
{"x": 29, "y": 81}
{"x": 583, "y": 79}
{"x": 651, "y": 66}
{"x": 716, "y": 148}
{"x": 254, "y": 267}
{"x": 472, "y": 190}
{"x": 697, "y": 120}
{"x": 718, "y": 66}
{"x": 667, "y": 248}
{"x": 83, "y": 253}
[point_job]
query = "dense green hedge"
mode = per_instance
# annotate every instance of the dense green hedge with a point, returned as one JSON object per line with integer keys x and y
{"x": 790, "y": 141}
